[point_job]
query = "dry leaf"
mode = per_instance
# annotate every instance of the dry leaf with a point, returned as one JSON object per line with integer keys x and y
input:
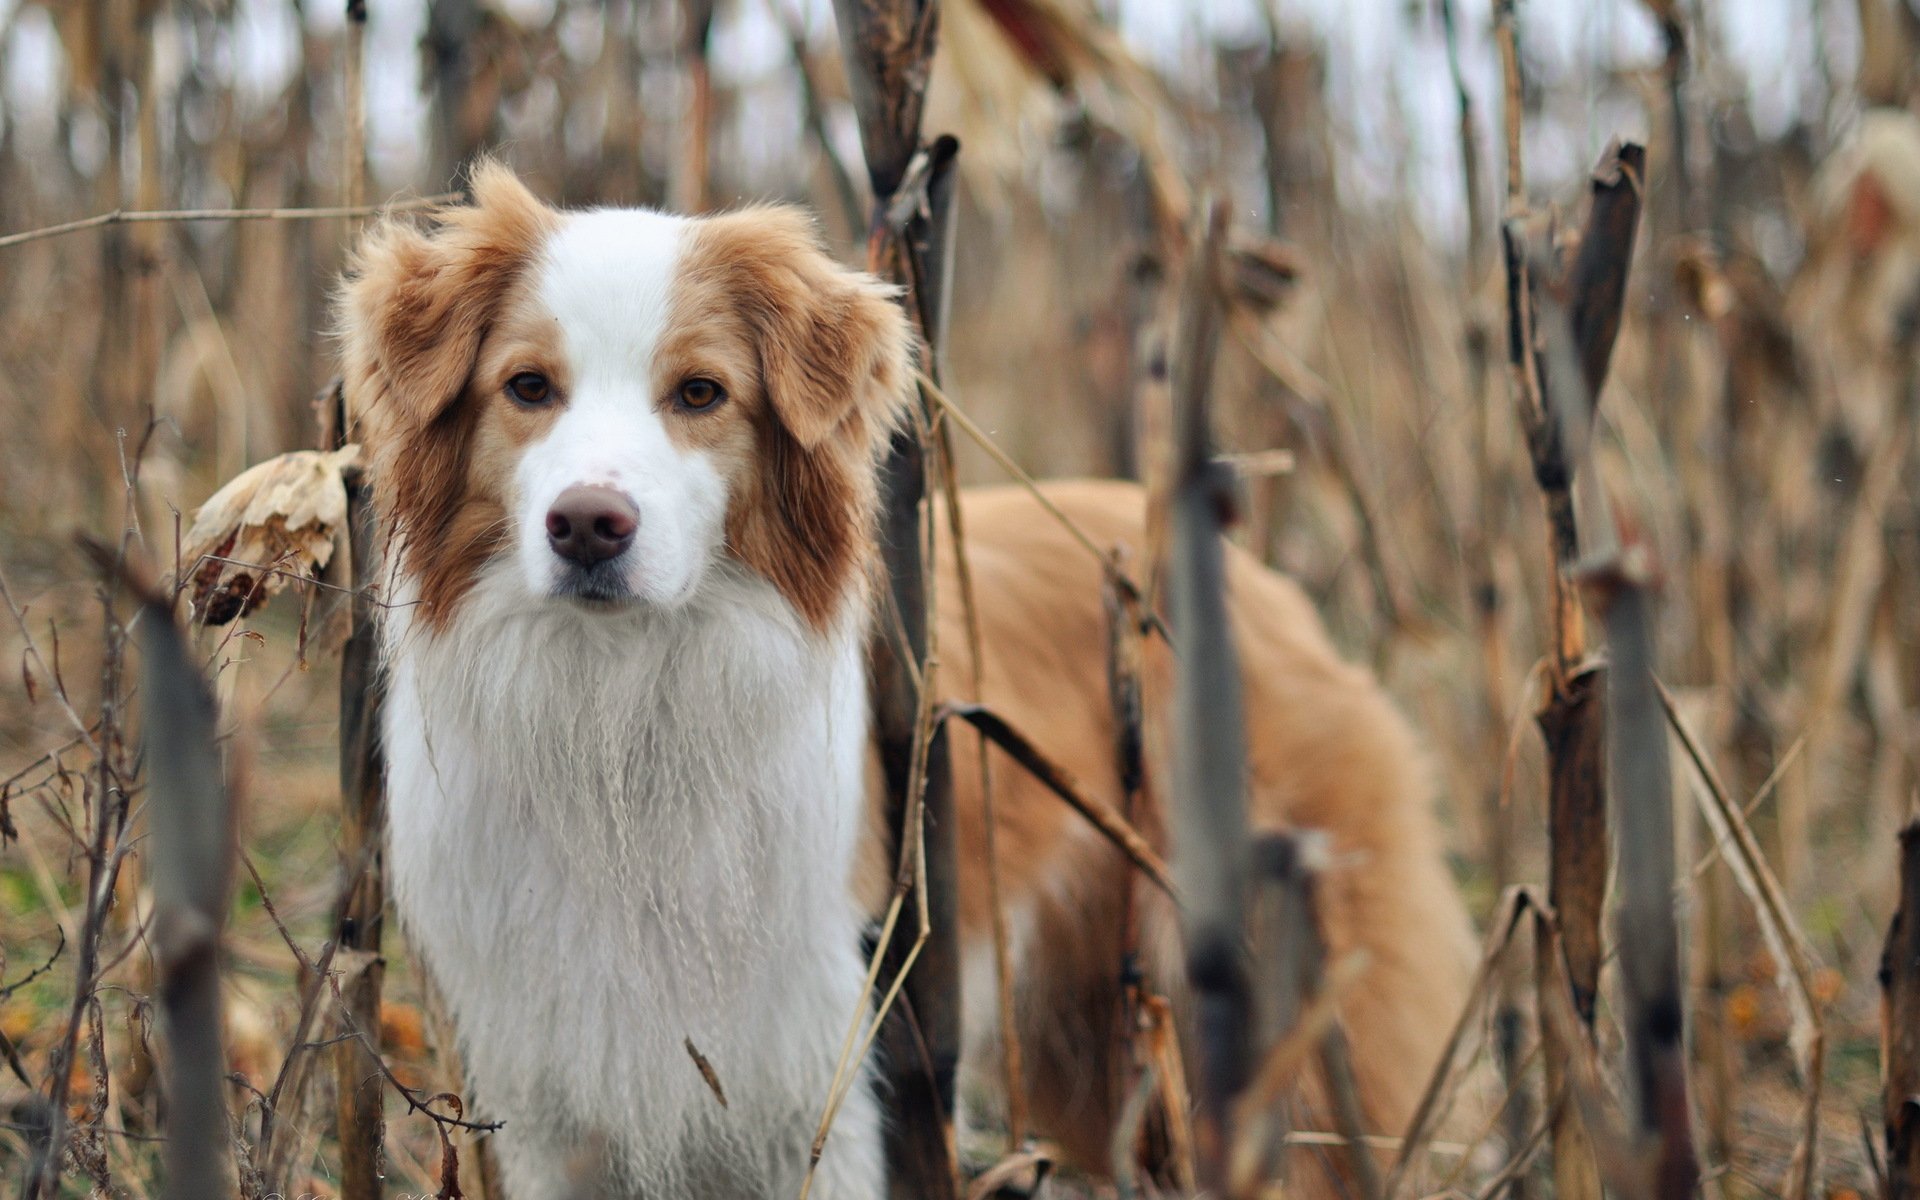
{"x": 271, "y": 523}
{"x": 1743, "y": 1008}
{"x": 402, "y": 1029}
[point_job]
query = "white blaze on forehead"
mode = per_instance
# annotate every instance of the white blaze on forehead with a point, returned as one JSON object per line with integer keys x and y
{"x": 607, "y": 279}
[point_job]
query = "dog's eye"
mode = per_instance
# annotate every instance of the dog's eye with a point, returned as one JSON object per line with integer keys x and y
{"x": 700, "y": 393}
{"x": 530, "y": 388}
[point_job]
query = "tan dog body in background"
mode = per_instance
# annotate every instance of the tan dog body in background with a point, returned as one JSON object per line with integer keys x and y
{"x": 1327, "y": 750}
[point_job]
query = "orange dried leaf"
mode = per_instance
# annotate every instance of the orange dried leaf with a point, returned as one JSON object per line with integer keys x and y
{"x": 1743, "y": 1008}
{"x": 402, "y": 1029}
{"x": 17, "y": 1020}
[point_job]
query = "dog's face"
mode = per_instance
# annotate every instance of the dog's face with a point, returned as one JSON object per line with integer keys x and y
{"x": 614, "y": 401}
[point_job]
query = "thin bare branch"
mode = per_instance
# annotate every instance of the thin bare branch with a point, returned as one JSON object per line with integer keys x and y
{"x": 175, "y": 216}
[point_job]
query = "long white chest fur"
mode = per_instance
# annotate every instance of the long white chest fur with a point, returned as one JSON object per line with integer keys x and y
{"x": 615, "y": 833}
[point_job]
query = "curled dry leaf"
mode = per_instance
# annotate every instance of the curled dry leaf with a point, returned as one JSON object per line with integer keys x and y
{"x": 403, "y": 1029}
{"x": 271, "y": 523}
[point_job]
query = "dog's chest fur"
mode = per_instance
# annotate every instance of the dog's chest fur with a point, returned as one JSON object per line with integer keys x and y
{"x": 612, "y": 834}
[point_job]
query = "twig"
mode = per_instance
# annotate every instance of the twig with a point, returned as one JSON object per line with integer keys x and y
{"x": 952, "y": 412}
{"x": 40, "y": 970}
{"x": 108, "y": 1130}
{"x": 1471, "y": 185}
{"x": 125, "y": 217}
{"x": 354, "y": 144}
{"x": 1127, "y": 1128}
{"x": 84, "y": 729}
{"x": 1282, "y": 1064}
{"x": 275, "y": 1158}
{"x": 927, "y": 1163}
{"x": 1517, "y": 1166}
{"x": 1512, "y": 109}
{"x": 1783, "y": 936}
{"x": 1012, "y": 1060}
{"x": 1464, "y": 1151}
{"x": 1760, "y": 794}
{"x": 50, "y": 757}
{"x": 104, "y": 859}
{"x": 1555, "y": 402}
{"x": 1170, "y": 1072}
{"x": 290, "y": 1086}
{"x": 414, "y": 1101}
{"x": 847, "y": 1063}
{"x": 846, "y": 1074}
{"x": 1514, "y": 905}
{"x": 1056, "y": 778}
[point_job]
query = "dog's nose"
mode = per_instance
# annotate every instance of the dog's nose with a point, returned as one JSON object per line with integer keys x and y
{"x": 587, "y": 525}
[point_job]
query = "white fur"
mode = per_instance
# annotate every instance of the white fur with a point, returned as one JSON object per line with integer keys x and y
{"x": 606, "y": 280}
{"x": 617, "y": 829}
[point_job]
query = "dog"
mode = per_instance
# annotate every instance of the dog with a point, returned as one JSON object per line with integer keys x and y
{"x": 625, "y": 467}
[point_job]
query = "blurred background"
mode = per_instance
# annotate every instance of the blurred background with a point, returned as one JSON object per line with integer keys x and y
{"x": 1757, "y": 425}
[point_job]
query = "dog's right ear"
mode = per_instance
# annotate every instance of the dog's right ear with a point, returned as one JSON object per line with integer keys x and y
{"x": 416, "y": 303}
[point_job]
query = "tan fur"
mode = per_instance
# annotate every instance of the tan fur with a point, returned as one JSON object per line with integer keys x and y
{"x": 1328, "y": 751}
{"x": 821, "y": 353}
{"x": 414, "y": 314}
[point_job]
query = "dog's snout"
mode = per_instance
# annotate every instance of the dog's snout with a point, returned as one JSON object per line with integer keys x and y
{"x": 587, "y": 525}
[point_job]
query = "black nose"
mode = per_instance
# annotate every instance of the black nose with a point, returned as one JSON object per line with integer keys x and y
{"x": 587, "y": 525}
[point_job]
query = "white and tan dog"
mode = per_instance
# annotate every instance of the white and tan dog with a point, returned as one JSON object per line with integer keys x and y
{"x": 626, "y": 466}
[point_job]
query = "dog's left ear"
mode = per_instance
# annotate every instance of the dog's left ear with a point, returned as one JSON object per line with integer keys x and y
{"x": 836, "y": 350}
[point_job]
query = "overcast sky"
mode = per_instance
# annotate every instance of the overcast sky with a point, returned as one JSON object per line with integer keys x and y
{"x": 1386, "y": 63}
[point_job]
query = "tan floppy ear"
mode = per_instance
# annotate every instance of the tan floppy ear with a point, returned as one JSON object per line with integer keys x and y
{"x": 836, "y": 349}
{"x": 416, "y": 304}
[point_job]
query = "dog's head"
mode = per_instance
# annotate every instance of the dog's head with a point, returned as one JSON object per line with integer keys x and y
{"x": 615, "y": 401}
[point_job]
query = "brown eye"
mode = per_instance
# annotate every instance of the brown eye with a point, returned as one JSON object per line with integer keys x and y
{"x": 700, "y": 393}
{"x": 530, "y": 388}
